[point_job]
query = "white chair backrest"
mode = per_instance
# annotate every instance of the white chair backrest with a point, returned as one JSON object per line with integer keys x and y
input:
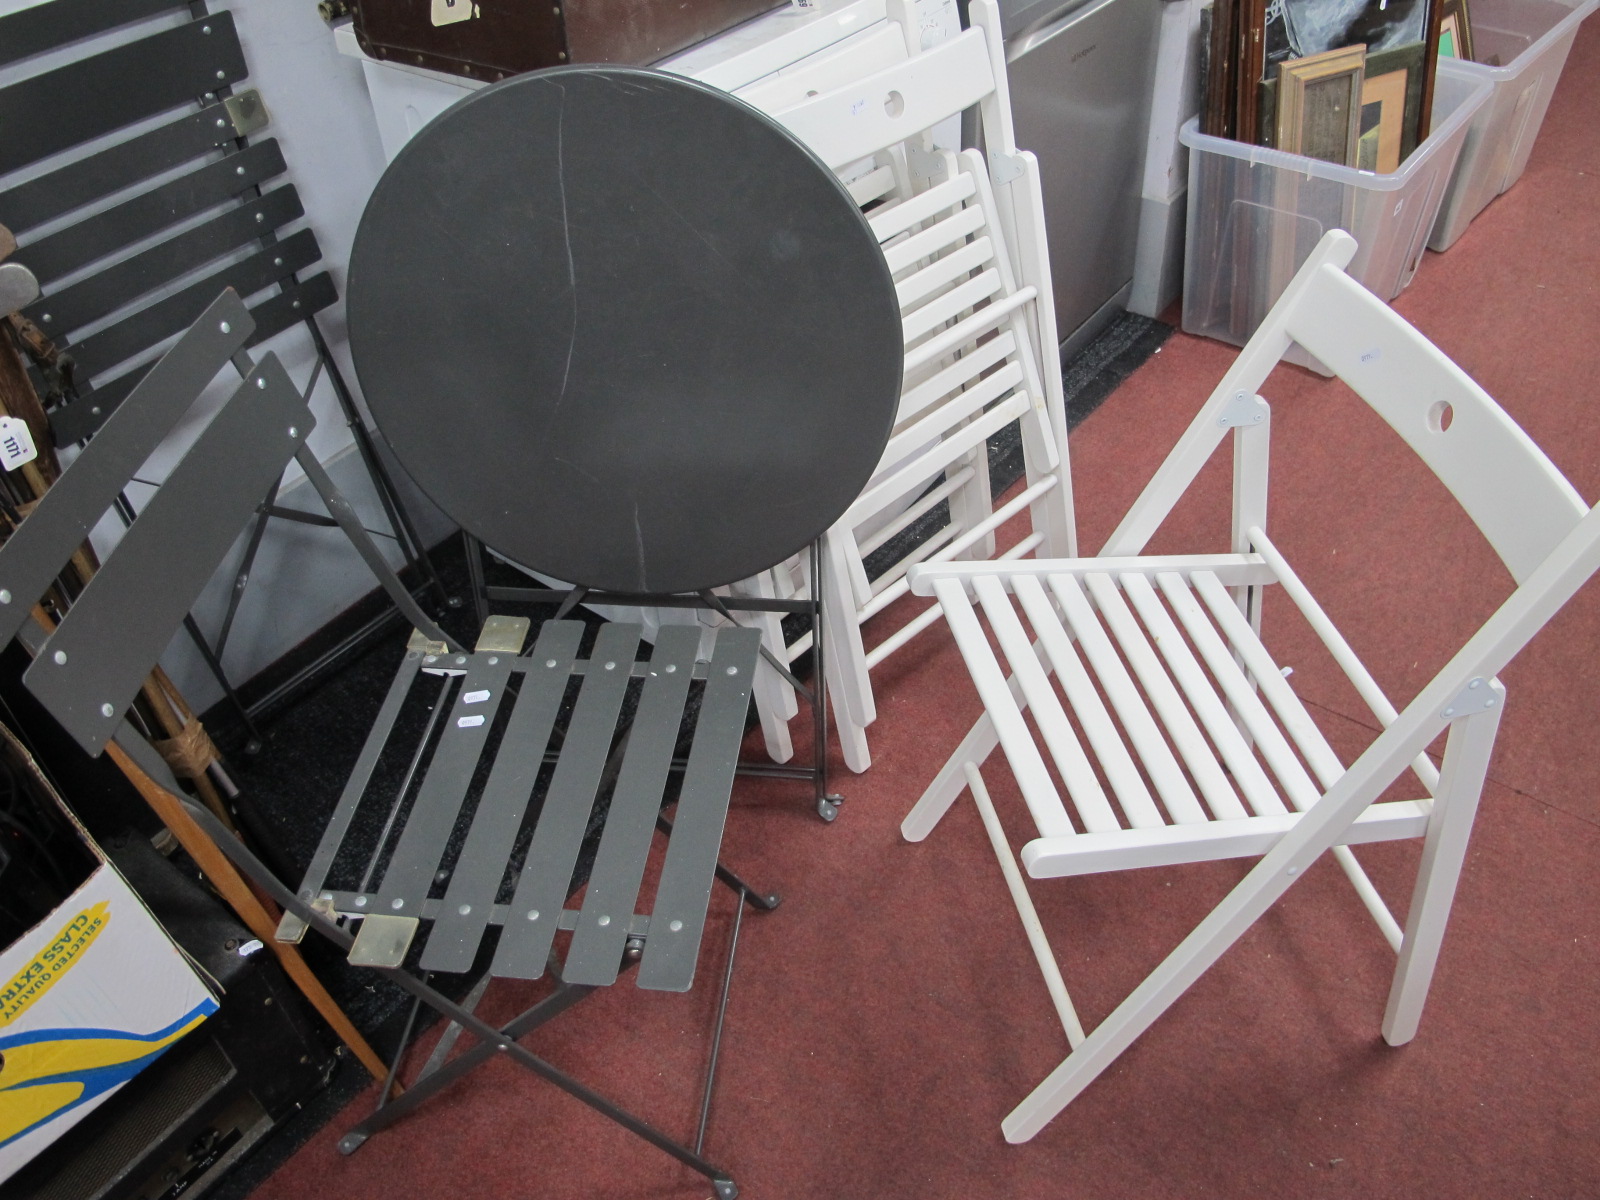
{"x": 865, "y": 54}
{"x": 1506, "y": 484}
{"x": 895, "y": 103}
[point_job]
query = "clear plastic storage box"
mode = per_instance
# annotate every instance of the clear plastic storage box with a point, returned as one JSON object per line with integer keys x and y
{"x": 1255, "y": 214}
{"x": 1529, "y": 39}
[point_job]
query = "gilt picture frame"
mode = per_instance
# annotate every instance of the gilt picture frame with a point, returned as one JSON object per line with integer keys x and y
{"x": 1319, "y": 104}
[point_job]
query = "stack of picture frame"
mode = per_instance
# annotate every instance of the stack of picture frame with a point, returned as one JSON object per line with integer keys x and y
{"x": 1342, "y": 81}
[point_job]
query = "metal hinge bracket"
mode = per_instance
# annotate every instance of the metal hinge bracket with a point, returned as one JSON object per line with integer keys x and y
{"x": 1480, "y": 695}
{"x": 1243, "y": 410}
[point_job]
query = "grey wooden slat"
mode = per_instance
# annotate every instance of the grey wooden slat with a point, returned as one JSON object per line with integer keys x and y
{"x": 99, "y": 655}
{"x": 360, "y": 776}
{"x": 547, "y": 871}
{"x": 142, "y": 216}
{"x": 410, "y": 872}
{"x": 116, "y": 343}
{"x": 103, "y": 293}
{"x": 46, "y": 26}
{"x": 46, "y": 197}
{"x": 678, "y": 917}
{"x": 39, "y": 548}
{"x": 83, "y": 417}
{"x": 613, "y": 892}
{"x": 56, "y": 110}
{"x": 453, "y": 944}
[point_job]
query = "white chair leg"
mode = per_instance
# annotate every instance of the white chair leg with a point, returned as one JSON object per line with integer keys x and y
{"x": 852, "y": 737}
{"x": 1048, "y": 967}
{"x": 948, "y": 784}
{"x": 1444, "y": 850}
{"x": 776, "y": 704}
{"x": 847, "y": 655}
{"x": 972, "y": 503}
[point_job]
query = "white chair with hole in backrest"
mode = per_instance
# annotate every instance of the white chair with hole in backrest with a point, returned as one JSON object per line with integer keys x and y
{"x": 1186, "y": 742}
{"x": 972, "y": 306}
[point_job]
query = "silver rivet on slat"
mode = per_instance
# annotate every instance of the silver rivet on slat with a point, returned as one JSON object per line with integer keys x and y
{"x": 222, "y": 74}
{"x": 465, "y": 910}
{"x": 261, "y": 385}
{"x": 675, "y": 926}
{"x": 533, "y": 914}
{"x": 431, "y": 658}
{"x": 361, "y": 901}
{"x": 671, "y": 667}
{"x": 611, "y": 666}
{"x": 604, "y": 921}
{"x": 293, "y": 431}
{"x": 107, "y": 710}
{"x": 733, "y": 670}
{"x": 5, "y": 595}
{"x": 549, "y": 662}
{"x": 225, "y": 327}
{"x": 461, "y": 658}
{"x": 61, "y": 658}
{"x": 397, "y": 903}
{"x": 493, "y": 659}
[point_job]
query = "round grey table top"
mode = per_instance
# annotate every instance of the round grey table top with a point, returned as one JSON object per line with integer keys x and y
{"x": 625, "y": 329}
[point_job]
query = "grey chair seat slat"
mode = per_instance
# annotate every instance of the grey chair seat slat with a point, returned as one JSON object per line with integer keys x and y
{"x": 678, "y": 916}
{"x": 63, "y": 518}
{"x": 597, "y": 943}
{"x": 84, "y": 416}
{"x": 147, "y": 214}
{"x": 465, "y": 913}
{"x": 95, "y": 661}
{"x": 467, "y": 724}
{"x": 360, "y": 776}
{"x": 547, "y": 871}
{"x": 46, "y": 26}
{"x": 144, "y": 78}
{"x": 111, "y": 288}
{"x": 48, "y": 196}
{"x": 105, "y": 349}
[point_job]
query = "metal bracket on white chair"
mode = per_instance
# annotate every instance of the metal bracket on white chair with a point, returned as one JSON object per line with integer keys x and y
{"x": 1243, "y": 409}
{"x": 1478, "y": 696}
{"x": 1003, "y": 168}
{"x": 926, "y": 164}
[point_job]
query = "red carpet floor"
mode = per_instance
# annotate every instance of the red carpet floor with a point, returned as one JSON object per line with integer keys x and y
{"x": 889, "y": 1014}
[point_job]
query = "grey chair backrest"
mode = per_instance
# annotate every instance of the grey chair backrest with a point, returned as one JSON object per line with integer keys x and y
{"x": 93, "y": 663}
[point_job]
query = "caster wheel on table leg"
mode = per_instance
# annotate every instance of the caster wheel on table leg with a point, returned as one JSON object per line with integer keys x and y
{"x": 727, "y": 1189}
{"x": 828, "y": 807}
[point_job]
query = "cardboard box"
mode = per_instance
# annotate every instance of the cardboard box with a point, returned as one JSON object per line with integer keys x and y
{"x": 89, "y": 997}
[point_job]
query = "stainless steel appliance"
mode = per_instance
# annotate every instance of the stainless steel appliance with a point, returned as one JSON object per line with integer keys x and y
{"x": 1081, "y": 75}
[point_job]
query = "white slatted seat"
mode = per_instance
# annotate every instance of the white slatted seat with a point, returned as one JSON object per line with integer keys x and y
{"x": 1185, "y": 741}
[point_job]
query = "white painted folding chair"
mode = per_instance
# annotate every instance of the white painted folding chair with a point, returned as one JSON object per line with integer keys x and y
{"x": 1201, "y": 678}
{"x": 975, "y": 362}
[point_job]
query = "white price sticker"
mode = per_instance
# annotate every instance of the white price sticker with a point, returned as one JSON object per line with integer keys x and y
{"x": 16, "y": 443}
